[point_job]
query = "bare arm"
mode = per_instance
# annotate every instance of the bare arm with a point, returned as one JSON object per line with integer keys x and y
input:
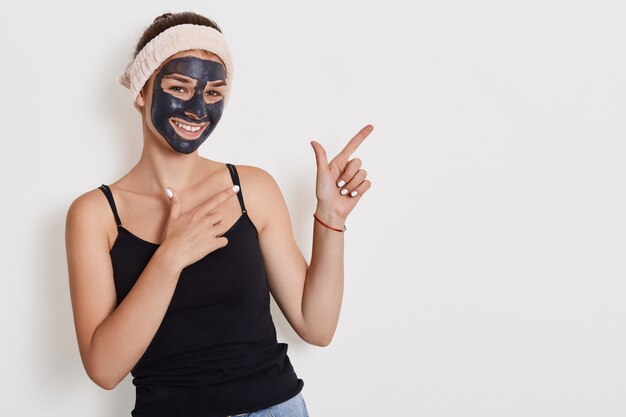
{"x": 310, "y": 296}
{"x": 122, "y": 338}
{"x": 113, "y": 338}
{"x": 339, "y": 186}
{"x": 323, "y": 292}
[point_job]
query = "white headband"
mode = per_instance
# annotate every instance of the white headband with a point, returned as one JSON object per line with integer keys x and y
{"x": 169, "y": 42}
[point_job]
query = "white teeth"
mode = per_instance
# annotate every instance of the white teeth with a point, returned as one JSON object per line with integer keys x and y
{"x": 187, "y": 127}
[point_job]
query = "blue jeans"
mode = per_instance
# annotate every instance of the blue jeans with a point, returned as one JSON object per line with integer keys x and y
{"x": 293, "y": 407}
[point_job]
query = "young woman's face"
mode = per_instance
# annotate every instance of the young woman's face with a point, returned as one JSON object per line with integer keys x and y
{"x": 187, "y": 99}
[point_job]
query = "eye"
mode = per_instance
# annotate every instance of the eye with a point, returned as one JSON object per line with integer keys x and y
{"x": 213, "y": 93}
{"x": 178, "y": 89}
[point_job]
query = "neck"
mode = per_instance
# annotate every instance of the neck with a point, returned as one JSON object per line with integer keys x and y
{"x": 160, "y": 166}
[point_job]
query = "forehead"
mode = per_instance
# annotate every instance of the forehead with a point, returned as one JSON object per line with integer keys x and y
{"x": 194, "y": 67}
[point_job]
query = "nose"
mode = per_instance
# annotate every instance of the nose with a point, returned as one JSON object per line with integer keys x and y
{"x": 196, "y": 108}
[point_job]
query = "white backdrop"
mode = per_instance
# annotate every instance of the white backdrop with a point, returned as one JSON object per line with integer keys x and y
{"x": 485, "y": 267}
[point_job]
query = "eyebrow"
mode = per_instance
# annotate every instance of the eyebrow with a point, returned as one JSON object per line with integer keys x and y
{"x": 179, "y": 78}
{"x": 217, "y": 83}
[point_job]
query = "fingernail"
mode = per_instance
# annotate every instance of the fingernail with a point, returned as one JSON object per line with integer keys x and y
{"x": 353, "y": 193}
{"x": 344, "y": 191}
{"x": 235, "y": 188}
{"x": 169, "y": 193}
{"x": 341, "y": 183}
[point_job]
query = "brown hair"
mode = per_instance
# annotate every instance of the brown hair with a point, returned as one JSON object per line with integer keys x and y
{"x": 167, "y": 20}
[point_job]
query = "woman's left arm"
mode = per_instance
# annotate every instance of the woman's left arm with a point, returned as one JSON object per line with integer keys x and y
{"x": 310, "y": 297}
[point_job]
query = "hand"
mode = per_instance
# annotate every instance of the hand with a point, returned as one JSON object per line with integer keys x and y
{"x": 195, "y": 234}
{"x": 331, "y": 202}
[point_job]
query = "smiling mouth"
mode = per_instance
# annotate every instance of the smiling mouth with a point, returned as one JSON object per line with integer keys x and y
{"x": 188, "y": 130}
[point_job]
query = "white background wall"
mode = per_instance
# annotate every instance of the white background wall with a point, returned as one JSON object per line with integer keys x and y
{"x": 484, "y": 269}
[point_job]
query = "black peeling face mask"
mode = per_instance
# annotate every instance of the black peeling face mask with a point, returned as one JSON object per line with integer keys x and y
{"x": 186, "y": 121}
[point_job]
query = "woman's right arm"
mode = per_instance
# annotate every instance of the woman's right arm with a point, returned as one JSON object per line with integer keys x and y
{"x": 112, "y": 338}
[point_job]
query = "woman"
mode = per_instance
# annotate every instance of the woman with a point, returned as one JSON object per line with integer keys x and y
{"x": 171, "y": 268}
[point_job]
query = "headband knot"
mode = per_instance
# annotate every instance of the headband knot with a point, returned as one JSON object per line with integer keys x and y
{"x": 169, "y": 42}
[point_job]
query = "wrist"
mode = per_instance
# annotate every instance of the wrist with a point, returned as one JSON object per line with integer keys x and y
{"x": 329, "y": 218}
{"x": 329, "y": 214}
{"x": 168, "y": 259}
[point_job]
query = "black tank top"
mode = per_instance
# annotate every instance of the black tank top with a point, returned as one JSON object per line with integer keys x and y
{"x": 215, "y": 352}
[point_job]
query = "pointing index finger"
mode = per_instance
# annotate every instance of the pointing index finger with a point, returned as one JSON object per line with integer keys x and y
{"x": 354, "y": 143}
{"x": 215, "y": 200}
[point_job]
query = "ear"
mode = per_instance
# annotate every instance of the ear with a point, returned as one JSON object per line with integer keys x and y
{"x": 139, "y": 101}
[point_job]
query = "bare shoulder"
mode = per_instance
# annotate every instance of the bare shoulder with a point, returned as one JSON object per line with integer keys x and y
{"x": 91, "y": 211}
{"x": 255, "y": 176}
{"x": 90, "y": 204}
{"x": 262, "y": 195}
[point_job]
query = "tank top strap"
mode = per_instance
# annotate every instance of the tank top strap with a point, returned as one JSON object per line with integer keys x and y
{"x": 235, "y": 177}
{"x": 109, "y": 195}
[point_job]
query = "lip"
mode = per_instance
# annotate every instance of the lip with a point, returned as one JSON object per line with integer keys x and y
{"x": 185, "y": 134}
